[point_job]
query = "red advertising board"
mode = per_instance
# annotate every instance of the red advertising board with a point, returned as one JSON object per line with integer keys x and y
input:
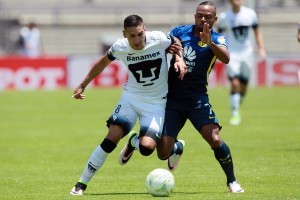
{"x": 55, "y": 72}
{"x": 28, "y": 74}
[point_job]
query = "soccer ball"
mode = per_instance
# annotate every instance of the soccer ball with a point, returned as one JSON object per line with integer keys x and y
{"x": 160, "y": 182}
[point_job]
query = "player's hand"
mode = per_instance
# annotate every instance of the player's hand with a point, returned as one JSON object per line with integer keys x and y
{"x": 206, "y": 34}
{"x": 180, "y": 67}
{"x": 77, "y": 94}
{"x": 176, "y": 49}
{"x": 263, "y": 54}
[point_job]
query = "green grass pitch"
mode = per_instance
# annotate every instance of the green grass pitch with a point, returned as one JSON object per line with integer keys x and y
{"x": 46, "y": 138}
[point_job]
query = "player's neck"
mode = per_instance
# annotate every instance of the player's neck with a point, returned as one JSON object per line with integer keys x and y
{"x": 236, "y": 9}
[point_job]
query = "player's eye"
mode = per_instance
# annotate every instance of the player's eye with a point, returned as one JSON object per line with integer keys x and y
{"x": 141, "y": 34}
{"x": 207, "y": 17}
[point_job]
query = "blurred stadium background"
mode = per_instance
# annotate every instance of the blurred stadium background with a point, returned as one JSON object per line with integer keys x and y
{"x": 81, "y": 28}
{"x": 41, "y": 131}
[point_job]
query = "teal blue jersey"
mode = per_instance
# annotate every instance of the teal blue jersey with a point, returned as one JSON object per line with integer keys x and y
{"x": 199, "y": 59}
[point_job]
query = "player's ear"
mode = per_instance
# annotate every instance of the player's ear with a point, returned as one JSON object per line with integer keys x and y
{"x": 216, "y": 19}
{"x": 124, "y": 34}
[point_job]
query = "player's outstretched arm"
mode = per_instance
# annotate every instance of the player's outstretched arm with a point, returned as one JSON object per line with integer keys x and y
{"x": 95, "y": 71}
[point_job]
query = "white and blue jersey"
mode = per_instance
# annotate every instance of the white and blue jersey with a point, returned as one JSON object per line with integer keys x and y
{"x": 236, "y": 27}
{"x": 144, "y": 95}
{"x": 147, "y": 68}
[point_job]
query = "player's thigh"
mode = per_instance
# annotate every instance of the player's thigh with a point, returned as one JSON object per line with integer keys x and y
{"x": 174, "y": 122}
{"x": 246, "y": 68}
{"x": 152, "y": 117}
{"x": 202, "y": 116}
{"x": 123, "y": 115}
{"x": 233, "y": 68}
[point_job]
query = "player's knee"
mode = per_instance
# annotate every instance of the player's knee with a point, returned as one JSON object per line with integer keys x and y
{"x": 162, "y": 154}
{"x": 216, "y": 139}
{"x": 107, "y": 145}
{"x": 145, "y": 151}
{"x": 216, "y": 142}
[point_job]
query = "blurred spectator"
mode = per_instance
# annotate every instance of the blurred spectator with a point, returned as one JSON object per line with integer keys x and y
{"x": 236, "y": 23}
{"x": 29, "y": 42}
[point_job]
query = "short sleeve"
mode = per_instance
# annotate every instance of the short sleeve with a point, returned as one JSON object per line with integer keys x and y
{"x": 166, "y": 39}
{"x": 221, "y": 24}
{"x": 110, "y": 53}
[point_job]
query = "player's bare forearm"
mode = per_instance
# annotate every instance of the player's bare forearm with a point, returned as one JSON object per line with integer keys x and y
{"x": 176, "y": 48}
{"x": 180, "y": 66}
{"x": 260, "y": 43}
{"x": 177, "y": 51}
{"x": 221, "y": 53}
{"x": 95, "y": 71}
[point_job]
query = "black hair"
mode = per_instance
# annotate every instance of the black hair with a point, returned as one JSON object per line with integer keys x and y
{"x": 209, "y": 3}
{"x": 132, "y": 20}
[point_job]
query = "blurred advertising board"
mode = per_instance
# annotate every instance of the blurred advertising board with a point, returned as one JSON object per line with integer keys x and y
{"x": 22, "y": 73}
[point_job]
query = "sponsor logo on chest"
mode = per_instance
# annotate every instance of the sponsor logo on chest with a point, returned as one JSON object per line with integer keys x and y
{"x": 143, "y": 57}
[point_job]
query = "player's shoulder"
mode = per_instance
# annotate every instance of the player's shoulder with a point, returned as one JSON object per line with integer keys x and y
{"x": 120, "y": 45}
{"x": 247, "y": 10}
{"x": 157, "y": 35}
{"x": 218, "y": 38}
{"x": 223, "y": 15}
{"x": 182, "y": 29}
{"x": 216, "y": 34}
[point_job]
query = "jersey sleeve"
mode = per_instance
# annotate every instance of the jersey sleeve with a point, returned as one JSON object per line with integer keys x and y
{"x": 175, "y": 32}
{"x": 221, "y": 25}
{"x": 219, "y": 40}
{"x": 110, "y": 53}
{"x": 255, "y": 22}
{"x": 114, "y": 51}
{"x": 166, "y": 39}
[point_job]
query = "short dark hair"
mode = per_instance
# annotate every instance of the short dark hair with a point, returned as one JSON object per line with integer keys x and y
{"x": 133, "y": 20}
{"x": 204, "y": 3}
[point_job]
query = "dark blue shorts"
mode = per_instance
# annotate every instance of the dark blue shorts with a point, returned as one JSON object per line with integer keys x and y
{"x": 197, "y": 110}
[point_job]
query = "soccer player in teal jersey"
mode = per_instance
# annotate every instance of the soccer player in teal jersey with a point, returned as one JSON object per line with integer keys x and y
{"x": 188, "y": 98}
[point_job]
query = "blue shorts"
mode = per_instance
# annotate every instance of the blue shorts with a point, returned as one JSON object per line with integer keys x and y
{"x": 197, "y": 110}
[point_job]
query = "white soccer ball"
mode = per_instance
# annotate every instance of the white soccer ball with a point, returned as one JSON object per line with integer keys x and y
{"x": 160, "y": 182}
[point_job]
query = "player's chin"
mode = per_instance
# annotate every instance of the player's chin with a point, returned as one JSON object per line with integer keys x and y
{"x": 139, "y": 46}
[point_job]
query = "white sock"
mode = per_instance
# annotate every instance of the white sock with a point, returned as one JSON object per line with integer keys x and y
{"x": 235, "y": 103}
{"x": 94, "y": 163}
{"x": 135, "y": 142}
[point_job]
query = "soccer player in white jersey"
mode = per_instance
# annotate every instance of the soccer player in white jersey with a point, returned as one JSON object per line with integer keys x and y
{"x": 236, "y": 24}
{"x": 143, "y": 97}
